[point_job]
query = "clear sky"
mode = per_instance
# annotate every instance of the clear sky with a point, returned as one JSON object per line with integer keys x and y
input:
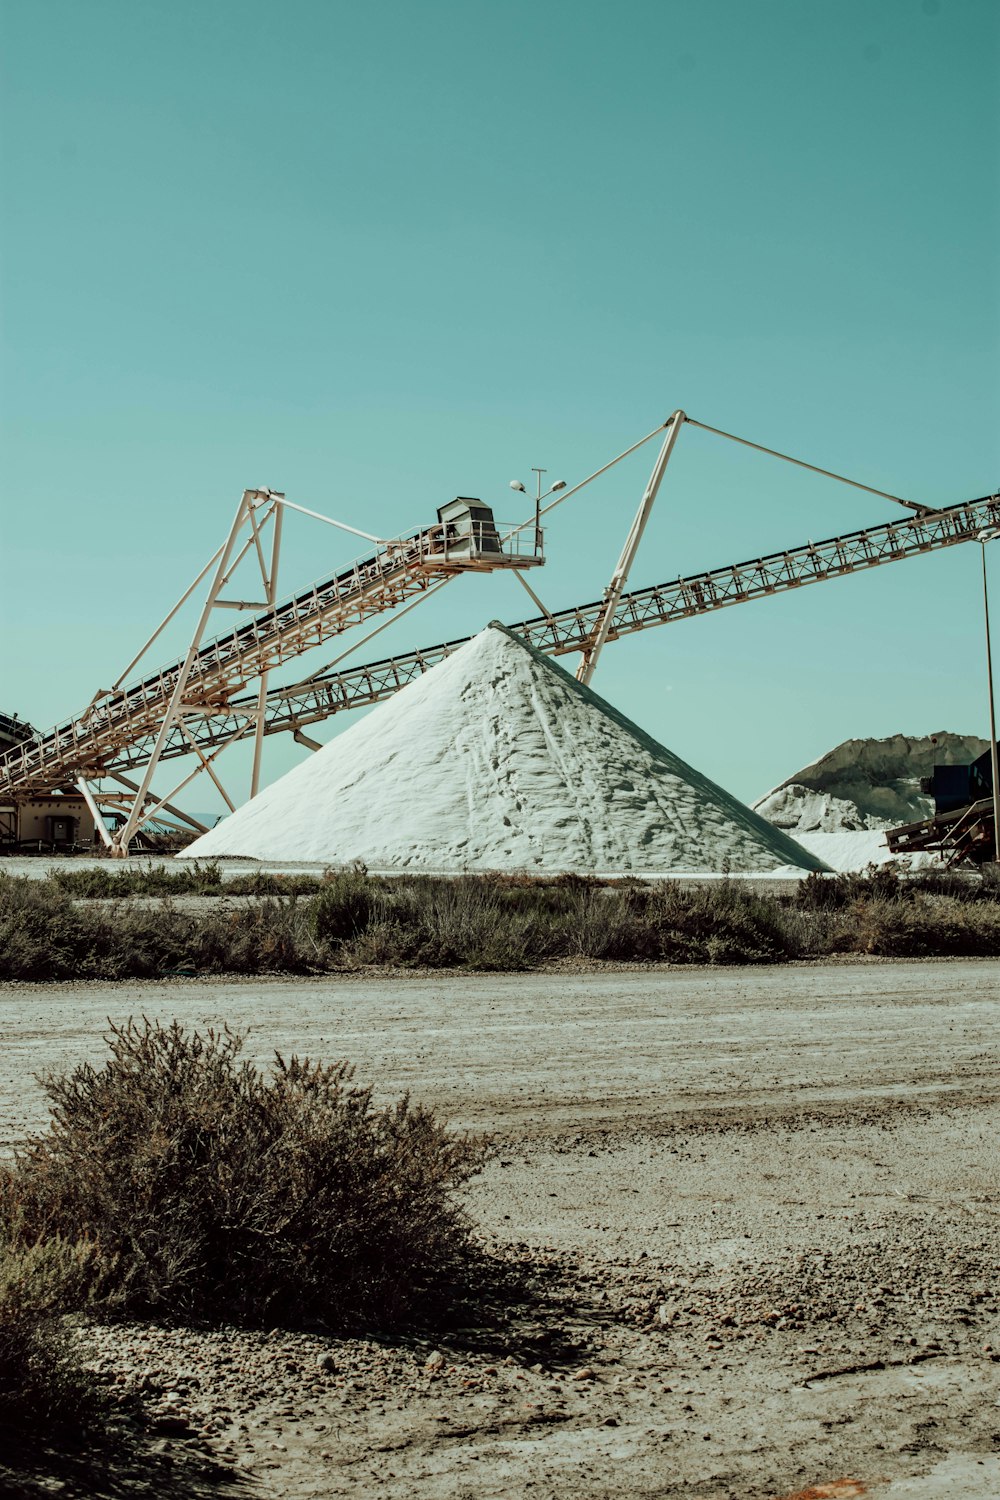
{"x": 379, "y": 255}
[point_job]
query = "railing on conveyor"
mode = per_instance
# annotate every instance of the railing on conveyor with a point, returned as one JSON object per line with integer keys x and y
{"x": 565, "y": 631}
{"x": 116, "y": 723}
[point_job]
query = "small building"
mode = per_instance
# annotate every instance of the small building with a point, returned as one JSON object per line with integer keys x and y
{"x": 59, "y": 822}
{"x": 62, "y": 821}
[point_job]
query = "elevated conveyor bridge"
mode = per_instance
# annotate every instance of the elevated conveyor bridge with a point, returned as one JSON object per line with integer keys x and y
{"x": 163, "y": 712}
{"x": 294, "y": 708}
{"x": 198, "y": 704}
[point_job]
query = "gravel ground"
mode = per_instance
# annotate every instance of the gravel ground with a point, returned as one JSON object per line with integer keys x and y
{"x": 752, "y": 1214}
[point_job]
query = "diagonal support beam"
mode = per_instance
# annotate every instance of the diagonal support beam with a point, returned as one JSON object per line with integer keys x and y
{"x": 619, "y": 578}
{"x": 175, "y": 812}
{"x": 206, "y": 765}
{"x": 172, "y": 713}
{"x": 95, "y": 811}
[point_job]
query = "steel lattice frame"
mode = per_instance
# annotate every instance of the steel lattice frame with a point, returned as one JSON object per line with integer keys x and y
{"x": 157, "y": 712}
{"x": 193, "y": 706}
{"x": 567, "y": 631}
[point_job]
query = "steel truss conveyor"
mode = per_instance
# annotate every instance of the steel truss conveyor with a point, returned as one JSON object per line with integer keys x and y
{"x": 120, "y": 728}
{"x": 293, "y": 708}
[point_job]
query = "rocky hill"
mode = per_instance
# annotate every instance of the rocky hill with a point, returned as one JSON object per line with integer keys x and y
{"x": 866, "y": 783}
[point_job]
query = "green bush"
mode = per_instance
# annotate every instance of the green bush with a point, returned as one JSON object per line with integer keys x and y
{"x": 44, "y": 935}
{"x": 114, "y": 881}
{"x": 614, "y": 924}
{"x": 270, "y": 937}
{"x": 260, "y": 883}
{"x": 472, "y": 921}
{"x": 825, "y": 892}
{"x": 208, "y": 1189}
{"x": 723, "y": 923}
{"x": 475, "y": 922}
{"x": 41, "y": 935}
{"x": 487, "y": 922}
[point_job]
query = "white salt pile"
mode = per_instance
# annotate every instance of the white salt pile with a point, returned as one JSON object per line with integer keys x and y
{"x": 497, "y": 759}
{"x": 840, "y": 806}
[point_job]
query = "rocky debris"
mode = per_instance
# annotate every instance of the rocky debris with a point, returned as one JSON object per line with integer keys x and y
{"x": 582, "y": 1342}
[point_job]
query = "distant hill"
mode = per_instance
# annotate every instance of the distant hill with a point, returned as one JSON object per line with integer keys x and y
{"x": 866, "y": 783}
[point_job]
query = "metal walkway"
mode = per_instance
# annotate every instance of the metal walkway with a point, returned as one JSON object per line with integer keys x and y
{"x": 109, "y": 734}
{"x": 293, "y": 708}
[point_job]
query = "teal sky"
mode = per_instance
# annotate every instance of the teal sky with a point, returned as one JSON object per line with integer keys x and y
{"x": 379, "y": 255}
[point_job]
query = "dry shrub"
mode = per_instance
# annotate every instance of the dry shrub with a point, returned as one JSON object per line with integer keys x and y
{"x": 492, "y": 922}
{"x": 612, "y": 925}
{"x": 926, "y": 927}
{"x": 43, "y": 935}
{"x": 347, "y": 904}
{"x": 41, "y": 1385}
{"x": 40, "y": 933}
{"x": 271, "y": 936}
{"x": 834, "y": 892}
{"x": 477, "y": 922}
{"x": 722, "y": 923}
{"x": 116, "y": 882}
{"x": 207, "y": 1189}
{"x": 261, "y": 883}
{"x": 884, "y": 883}
{"x": 192, "y": 878}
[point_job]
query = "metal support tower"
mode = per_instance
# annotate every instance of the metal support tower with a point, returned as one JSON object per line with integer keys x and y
{"x": 166, "y": 707}
{"x": 612, "y": 594}
{"x": 198, "y": 704}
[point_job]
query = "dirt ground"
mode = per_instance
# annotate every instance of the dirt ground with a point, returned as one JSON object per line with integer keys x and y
{"x": 756, "y": 1211}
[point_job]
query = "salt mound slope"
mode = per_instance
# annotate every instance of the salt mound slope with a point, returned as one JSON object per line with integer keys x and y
{"x": 497, "y": 759}
{"x": 852, "y": 850}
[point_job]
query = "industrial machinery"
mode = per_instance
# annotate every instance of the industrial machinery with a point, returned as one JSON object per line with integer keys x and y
{"x": 219, "y": 692}
{"x": 13, "y": 730}
{"x": 145, "y": 712}
{"x": 963, "y": 827}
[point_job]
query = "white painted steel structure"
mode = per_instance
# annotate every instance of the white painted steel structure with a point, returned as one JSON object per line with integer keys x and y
{"x": 164, "y": 705}
{"x": 198, "y": 705}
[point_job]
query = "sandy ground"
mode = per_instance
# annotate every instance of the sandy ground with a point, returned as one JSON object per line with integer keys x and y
{"x": 756, "y": 1210}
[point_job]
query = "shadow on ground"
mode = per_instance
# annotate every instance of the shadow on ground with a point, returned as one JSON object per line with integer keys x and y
{"x": 124, "y": 1461}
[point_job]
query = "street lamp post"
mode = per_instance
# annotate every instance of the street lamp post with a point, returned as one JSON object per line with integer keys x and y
{"x": 983, "y": 538}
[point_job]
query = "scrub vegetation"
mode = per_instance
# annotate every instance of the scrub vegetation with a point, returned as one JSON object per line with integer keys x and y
{"x": 42, "y": 1388}
{"x": 86, "y": 924}
{"x": 180, "y": 1181}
